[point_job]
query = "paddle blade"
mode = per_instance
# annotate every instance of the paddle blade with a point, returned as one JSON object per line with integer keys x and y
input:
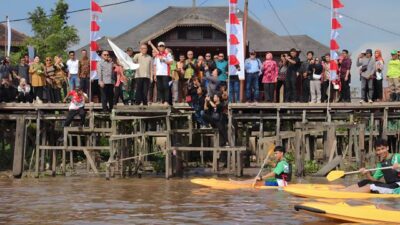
{"x": 336, "y": 174}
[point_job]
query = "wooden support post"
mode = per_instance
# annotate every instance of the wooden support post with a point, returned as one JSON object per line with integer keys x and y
{"x": 71, "y": 153}
{"x": 361, "y": 145}
{"x": 329, "y": 141}
{"x": 91, "y": 161}
{"x": 168, "y": 167}
{"x": 278, "y": 128}
{"x": 190, "y": 126}
{"x": 385, "y": 123}
{"x": 37, "y": 142}
{"x": 299, "y": 160}
{"x": 215, "y": 153}
{"x": 18, "y": 160}
{"x": 239, "y": 164}
{"x": 53, "y": 163}
{"x": 64, "y": 151}
{"x": 304, "y": 116}
{"x": 371, "y": 132}
{"x": 230, "y": 133}
{"x": 307, "y": 148}
{"x": 350, "y": 146}
{"x": 42, "y": 152}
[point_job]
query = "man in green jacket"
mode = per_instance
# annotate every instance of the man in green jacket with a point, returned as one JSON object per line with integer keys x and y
{"x": 373, "y": 182}
{"x": 393, "y": 76}
{"x": 282, "y": 171}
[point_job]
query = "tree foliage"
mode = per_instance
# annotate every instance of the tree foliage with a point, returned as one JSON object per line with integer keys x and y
{"x": 52, "y": 35}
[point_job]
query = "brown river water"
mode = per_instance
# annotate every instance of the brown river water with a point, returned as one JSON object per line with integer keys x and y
{"x": 77, "y": 200}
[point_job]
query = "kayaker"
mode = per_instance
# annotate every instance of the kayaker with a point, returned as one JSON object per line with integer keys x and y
{"x": 392, "y": 176}
{"x": 282, "y": 172}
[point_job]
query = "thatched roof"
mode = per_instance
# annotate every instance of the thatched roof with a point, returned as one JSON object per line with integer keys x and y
{"x": 17, "y": 38}
{"x": 260, "y": 38}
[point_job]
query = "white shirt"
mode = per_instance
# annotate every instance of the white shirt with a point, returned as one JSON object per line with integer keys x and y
{"x": 162, "y": 68}
{"x": 73, "y": 66}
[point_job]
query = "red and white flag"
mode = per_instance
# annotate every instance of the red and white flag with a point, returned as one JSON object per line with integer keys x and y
{"x": 95, "y": 11}
{"x": 234, "y": 29}
{"x": 334, "y": 46}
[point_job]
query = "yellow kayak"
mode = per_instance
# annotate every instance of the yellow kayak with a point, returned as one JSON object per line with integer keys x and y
{"x": 366, "y": 214}
{"x": 336, "y": 194}
{"x": 232, "y": 185}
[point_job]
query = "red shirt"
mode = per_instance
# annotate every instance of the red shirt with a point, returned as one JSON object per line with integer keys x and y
{"x": 77, "y": 101}
{"x": 270, "y": 73}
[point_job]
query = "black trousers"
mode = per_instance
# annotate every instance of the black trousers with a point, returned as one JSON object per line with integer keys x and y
{"x": 84, "y": 84}
{"x": 290, "y": 86}
{"x": 142, "y": 90}
{"x": 219, "y": 124}
{"x": 24, "y": 97}
{"x": 305, "y": 95}
{"x": 107, "y": 96}
{"x": 378, "y": 89}
{"x": 72, "y": 113}
{"x": 345, "y": 93}
{"x": 163, "y": 89}
{"x": 118, "y": 94}
{"x": 57, "y": 95}
{"x": 38, "y": 92}
{"x": 269, "y": 90}
{"x": 95, "y": 89}
{"x": 279, "y": 85}
{"x": 324, "y": 91}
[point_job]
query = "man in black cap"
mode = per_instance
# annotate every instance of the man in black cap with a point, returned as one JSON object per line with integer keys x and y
{"x": 367, "y": 71}
{"x": 291, "y": 77}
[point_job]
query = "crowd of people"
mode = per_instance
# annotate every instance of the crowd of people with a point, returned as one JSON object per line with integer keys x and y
{"x": 200, "y": 81}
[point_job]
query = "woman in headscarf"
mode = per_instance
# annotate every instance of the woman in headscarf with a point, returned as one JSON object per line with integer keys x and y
{"x": 270, "y": 75}
{"x": 378, "y": 78}
{"x": 36, "y": 70}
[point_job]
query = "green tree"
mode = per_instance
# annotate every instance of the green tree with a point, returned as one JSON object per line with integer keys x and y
{"x": 52, "y": 35}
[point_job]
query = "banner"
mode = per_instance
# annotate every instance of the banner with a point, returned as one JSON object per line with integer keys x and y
{"x": 31, "y": 53}
{"x": 124, "y": 59}
{"x": 235, "y": 52}
{"x": 235, "y": 45}
{"x": 334, "y": 46}
{"x": 95, "y": 10}
{"x": 8, "y": 37}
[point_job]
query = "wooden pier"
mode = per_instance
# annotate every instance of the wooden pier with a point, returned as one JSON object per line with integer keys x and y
{"x": 131, "y": 135}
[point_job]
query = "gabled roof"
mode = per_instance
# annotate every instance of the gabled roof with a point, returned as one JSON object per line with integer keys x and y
{"x": 259, "y": 37}
{"x": 306, "y": 43}
{"x": 17, "y": 38}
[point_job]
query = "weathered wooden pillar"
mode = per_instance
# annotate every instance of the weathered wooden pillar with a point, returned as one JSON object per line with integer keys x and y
{"x": 64, "y": 151}
{"x": 18, "y": 161}
{"x": 168, "y": 167}
{"x": 385, "y": 123}
{"x": 361, "y": 145}
{"x": 329, "y": 138}
{"x": 299, "y": 160}
{"x": 371, "y": 132}
{"x": 42, "y": 152}
{"x": 37, "y": 142}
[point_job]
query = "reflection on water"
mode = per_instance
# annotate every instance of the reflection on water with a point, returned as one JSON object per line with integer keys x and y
{"x": 66, "y": 200}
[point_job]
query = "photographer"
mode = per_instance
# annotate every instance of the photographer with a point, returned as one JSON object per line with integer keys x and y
{"x": 214, "y": 115}
{"x": 367, "y": 72}
{"x": 291, "y": 76}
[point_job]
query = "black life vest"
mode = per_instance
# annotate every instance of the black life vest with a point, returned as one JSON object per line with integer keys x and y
{"x": 285, "y": 176}
{"x": 390, "y": 175}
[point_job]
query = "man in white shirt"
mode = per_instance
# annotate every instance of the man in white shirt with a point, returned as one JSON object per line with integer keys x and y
{"x": 162, "y": 62}
{"x": 73, "y": 70}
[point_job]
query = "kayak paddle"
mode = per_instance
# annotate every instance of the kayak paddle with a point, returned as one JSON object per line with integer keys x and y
{"x": 270, "y": 151}
{"x": 336, "y": 174}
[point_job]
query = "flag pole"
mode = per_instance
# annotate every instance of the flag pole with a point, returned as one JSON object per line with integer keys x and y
{"x": 5, "y": 37}
{"x": 328, "y": 117}
{"x": 90, "y": 54}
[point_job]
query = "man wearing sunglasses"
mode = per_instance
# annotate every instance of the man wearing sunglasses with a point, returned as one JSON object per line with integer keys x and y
{"x": 104, "y": 72}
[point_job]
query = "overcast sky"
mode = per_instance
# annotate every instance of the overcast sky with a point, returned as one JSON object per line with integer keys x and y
{"x": 300, "y": 17}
